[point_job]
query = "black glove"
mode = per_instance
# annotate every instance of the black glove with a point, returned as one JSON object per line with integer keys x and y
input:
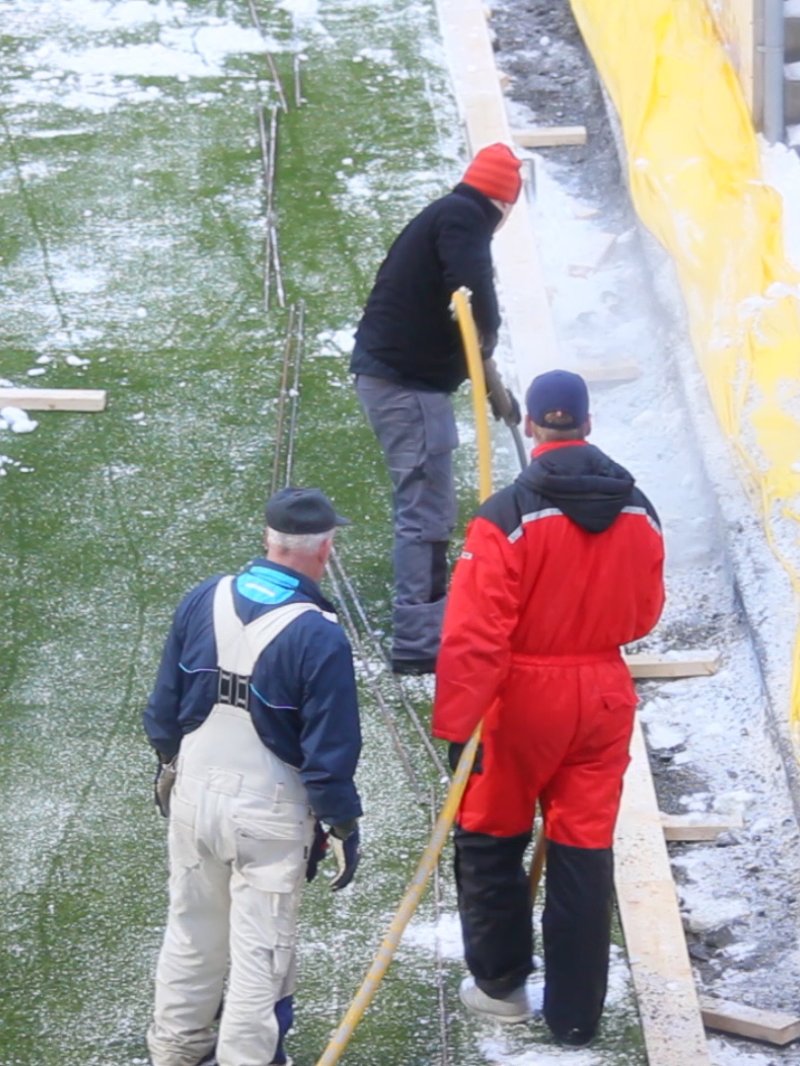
{"x": 346, "y": 847}
{"x": 454, "y": 749}
{"x": 501, "y": 400}
{"x": 516, "y": 414}
{"x": 317, "y": 851}
{"x": 504, "y": 406}
{"x": 164, "y": 781}
{"x": 488, "y": 342}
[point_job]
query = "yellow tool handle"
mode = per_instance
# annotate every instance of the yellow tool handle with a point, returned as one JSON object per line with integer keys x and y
{"x": 369, "y": 986}
{"x": 430, "y": 856}
{"x": 472, "y": 350}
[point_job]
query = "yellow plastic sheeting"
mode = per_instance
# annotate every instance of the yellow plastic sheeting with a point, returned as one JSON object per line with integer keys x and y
{"x": 695, "y": 179}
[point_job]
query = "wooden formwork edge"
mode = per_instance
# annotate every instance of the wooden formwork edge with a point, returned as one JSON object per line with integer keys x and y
{"x": 54, "y": 399}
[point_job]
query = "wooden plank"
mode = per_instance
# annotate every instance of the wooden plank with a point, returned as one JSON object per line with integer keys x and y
{"x": 549, "y": 136}
{"x": 774, "y": 1027}
{"x": 526, "y": 309}
{"x": 673, "y": 664}
{"x": 662, "y": 974}
{"x": 606, "y": 373}
{"x": 54, "y": 399}
{"x": 696, "y": 827}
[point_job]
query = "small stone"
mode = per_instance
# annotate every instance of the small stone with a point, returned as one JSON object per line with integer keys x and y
{"x": 727, "y": 840}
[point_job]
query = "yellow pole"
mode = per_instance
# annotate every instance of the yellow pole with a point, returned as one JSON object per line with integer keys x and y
{"x": 472, "y": 349}
{"x": 430, "y": 856}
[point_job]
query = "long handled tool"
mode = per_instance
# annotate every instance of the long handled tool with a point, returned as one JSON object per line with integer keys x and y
{"x": 505, "y": 407}
{"x": 369, "y": 986}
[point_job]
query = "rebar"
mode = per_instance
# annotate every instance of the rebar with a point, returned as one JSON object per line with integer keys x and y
{"x": 276, "y": 464}
{"x": 298, "y": 95}
{"x": 437, "y": 910}
{"x": 269, "y": 152}
{"x": 368, "y": 629}
{"x": 388, "y": 717}
{"x": 276, "y": 262}
{"x": 270, "y": 61}
{"x": 294, "y": 393}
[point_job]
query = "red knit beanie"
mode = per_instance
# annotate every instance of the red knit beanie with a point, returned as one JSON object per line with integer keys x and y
{"x": 495, "y": 172}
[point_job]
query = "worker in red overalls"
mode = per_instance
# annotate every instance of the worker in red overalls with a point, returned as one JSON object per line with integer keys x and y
{"x": 558, "y": 570}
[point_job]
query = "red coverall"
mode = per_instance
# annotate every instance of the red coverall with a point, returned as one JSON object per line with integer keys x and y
{"x": 558, "y": 570}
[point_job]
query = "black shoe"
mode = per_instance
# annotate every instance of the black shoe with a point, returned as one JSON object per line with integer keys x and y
{"x": 575, "y": 1037}
{"x": 414, "y": 667}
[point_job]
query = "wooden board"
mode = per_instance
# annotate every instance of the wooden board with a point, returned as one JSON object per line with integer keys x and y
{"x": 54, "y": 399}
{"x": 774, "y": 1027}
{"x": 549, "y": 136}
{"x": 696, "y": 827}
{"x": 662, "y": 974}
{"x": 606, "y": 373}
{"x": 675, "y": 664}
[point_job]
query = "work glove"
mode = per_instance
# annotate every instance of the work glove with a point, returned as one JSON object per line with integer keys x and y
{"x": 488, "y": 343}
{"x": 504, "y": 406}
{"x": 502, "y": 401}
{"x": 318, "y": 851}
{"x": 454, "y": 749}
{"x": 164, "y": 781}
{"x": 345, "y": 844}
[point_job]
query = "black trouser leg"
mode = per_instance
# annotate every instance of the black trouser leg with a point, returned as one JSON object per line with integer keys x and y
{"x": 494, "y": 903}
{"x": 576, "y": 929}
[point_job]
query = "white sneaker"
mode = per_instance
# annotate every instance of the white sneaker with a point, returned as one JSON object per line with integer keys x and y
{"x": 509, "y": 1010}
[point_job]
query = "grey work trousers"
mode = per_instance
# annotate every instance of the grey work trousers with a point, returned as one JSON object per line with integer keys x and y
{"x": 417, "y": 431}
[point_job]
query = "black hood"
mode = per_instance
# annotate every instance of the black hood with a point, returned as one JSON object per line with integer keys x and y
{"x": 582, "y": 482}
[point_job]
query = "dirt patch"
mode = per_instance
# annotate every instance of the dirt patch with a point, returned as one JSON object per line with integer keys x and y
{"x": 539, "y": 46}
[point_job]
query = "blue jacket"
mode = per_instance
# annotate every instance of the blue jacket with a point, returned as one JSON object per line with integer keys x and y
{"x": 303, "y": 693}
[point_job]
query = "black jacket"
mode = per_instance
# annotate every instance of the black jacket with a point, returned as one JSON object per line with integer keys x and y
{"x": 407, "y": 332}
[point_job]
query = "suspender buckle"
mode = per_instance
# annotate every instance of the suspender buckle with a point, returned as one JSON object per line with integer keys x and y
{"x": 234, "y": 689}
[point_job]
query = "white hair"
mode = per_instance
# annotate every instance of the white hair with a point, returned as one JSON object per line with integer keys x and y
{"x": 304, "y": 543}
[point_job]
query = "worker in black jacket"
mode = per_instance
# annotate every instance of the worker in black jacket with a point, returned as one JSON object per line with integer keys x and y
{"x": 408, "y": 359}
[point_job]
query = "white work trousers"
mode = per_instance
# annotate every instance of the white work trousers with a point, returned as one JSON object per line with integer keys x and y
{"x": 240, "y": 828}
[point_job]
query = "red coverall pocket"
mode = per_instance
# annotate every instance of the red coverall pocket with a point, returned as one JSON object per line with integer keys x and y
{"x": 616, "y": 725}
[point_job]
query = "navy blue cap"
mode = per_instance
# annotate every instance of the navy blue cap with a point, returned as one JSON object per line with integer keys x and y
{"x": 558, "y": 393}
{"x": 294, "y": 510}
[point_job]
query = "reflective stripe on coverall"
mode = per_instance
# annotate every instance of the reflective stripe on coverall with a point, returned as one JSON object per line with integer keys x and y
{"x": 239, "y": 831}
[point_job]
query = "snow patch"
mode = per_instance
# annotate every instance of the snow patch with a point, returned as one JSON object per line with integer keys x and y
{"x": 17, "y": 420}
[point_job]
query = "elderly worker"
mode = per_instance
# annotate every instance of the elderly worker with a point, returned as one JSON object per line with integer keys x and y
{"x": 254, "y": 717}
{"x": 558, "y": 570}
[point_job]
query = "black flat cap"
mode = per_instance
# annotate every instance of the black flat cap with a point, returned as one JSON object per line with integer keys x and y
{"x": 294, "y": 510}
